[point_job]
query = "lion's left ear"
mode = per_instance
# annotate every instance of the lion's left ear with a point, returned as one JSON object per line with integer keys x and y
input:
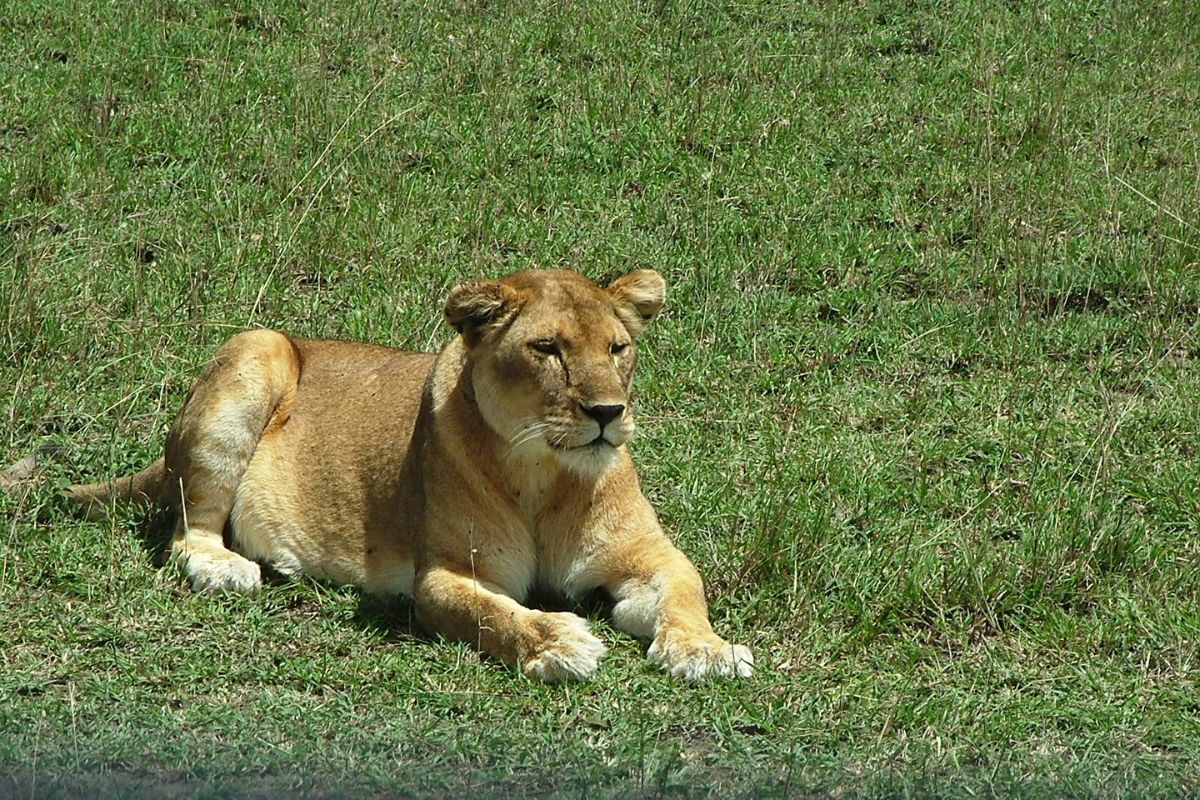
{"x": 638, "y": 297}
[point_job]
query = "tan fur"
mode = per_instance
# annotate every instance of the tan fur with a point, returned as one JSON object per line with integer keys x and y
{"x": 466, "y": 480}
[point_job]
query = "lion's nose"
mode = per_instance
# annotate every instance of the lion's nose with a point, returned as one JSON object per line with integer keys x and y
{"x": 604, "y": 414}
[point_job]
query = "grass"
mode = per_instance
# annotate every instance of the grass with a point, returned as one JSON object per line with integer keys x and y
{"x": 922, "y": 409}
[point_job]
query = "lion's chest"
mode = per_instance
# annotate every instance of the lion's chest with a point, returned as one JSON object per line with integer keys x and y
{"x": 563, "y": 546}
{"x": 530, "y": 551}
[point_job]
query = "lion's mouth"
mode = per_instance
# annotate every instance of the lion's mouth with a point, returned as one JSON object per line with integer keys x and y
{"x": 595, "y": 444}
{"x": 584, "y": 451}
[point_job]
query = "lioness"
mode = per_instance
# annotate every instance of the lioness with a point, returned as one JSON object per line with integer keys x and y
{"x": 465, "y": 479}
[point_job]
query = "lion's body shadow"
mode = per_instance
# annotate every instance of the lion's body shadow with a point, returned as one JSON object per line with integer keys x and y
{"x": 394, "y": 616}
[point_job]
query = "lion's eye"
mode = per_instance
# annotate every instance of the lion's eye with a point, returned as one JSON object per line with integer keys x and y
{"x": 547, "y": 347}
{"x": 619, "y": 347}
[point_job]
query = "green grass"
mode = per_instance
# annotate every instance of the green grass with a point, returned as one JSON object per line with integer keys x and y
{"x": 923, "y": 408}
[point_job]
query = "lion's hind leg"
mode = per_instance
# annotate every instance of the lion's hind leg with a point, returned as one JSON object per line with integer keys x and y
{"x": 248, "y": 385}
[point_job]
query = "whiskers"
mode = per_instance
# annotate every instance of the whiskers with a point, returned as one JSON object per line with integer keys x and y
{"x": 559, "y": 439}
{"x": 565, "y": 440}
{"x": 529, "y": 431}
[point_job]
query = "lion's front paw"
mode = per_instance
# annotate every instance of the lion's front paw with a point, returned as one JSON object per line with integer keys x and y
{"x": 695, "y": 658}
{"x": 568, "y": 651}
{"x": 212, "y": 573}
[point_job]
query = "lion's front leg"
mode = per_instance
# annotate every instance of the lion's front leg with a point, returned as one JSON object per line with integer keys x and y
{"x": 659, "y": 596}
{"x": 552, "y": 647}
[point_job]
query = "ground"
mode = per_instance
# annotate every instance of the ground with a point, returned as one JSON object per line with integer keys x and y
{"x": 922, "y": 407}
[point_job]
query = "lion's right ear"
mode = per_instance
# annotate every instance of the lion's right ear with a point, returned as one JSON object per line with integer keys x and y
{"x": 474, "y": 306}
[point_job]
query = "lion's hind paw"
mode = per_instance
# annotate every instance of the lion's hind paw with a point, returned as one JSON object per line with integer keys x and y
{"x": 224, "y": 572}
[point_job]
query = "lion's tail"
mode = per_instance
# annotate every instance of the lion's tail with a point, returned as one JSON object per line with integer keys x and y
{"x": 142, "y": 490}
{"x": 146, "y": 489}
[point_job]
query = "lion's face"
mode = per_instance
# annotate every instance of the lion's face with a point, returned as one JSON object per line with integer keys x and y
{"x": 551, "y": 355}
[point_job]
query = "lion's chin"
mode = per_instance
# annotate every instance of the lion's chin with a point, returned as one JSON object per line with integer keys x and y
{"x": 589, "y": 460}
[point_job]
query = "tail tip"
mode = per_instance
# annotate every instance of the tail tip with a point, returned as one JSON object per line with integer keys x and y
{"x": 26, "y": 469}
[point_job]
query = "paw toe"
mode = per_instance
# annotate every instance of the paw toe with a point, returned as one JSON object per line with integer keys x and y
{"x": 219, "y": 575}
{"x": 699, "y": 660}
{"x": 571, "y": 654}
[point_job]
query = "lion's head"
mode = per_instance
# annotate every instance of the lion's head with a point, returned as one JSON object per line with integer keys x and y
{"x": 551, "y": 355}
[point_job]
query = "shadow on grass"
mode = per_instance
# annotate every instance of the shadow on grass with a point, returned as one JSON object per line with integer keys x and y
{"x": 393, "y": 616}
